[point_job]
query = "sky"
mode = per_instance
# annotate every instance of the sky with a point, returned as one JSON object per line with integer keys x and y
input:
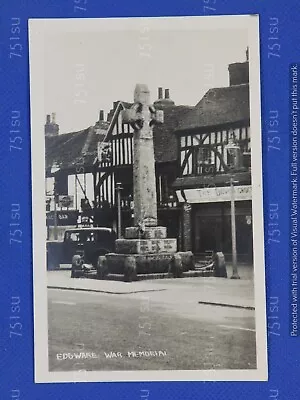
{"x": 86, "y": 71}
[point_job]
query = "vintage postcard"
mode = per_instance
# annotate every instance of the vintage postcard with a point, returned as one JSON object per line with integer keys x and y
{"x": 148, "y": 245}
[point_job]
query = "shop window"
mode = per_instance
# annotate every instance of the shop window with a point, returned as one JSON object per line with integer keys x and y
{"x": 204, "y": 155}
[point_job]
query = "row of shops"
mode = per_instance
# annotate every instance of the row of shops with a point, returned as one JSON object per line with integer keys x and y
{"x": 199, "y": 150}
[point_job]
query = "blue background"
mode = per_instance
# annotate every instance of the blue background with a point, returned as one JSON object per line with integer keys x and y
{"x": 16, "y": 361}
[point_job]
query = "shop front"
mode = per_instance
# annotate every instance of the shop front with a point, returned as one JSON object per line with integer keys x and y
{"x": 211, "y": 229}
{"x": 206, "y": 216}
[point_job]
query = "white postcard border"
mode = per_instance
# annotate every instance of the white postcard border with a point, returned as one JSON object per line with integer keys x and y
{"x": 37, "y": 29}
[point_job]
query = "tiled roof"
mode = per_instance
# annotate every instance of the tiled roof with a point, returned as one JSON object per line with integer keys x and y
{"x": 219, "y": 106}
{"x": 165, "y": 141}
{"x": 71, "y": 149}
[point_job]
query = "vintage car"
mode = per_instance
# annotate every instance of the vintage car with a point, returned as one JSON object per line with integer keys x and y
{"x": 83, "y": 246}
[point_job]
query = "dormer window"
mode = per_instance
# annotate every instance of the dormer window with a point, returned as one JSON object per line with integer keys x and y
{"x": 204, "y": 156}
{"x": 205, "y": 161}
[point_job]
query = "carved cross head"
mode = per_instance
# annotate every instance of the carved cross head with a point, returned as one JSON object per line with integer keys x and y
{"x": 141, "y": 112}
{"x": 141, "y": 94}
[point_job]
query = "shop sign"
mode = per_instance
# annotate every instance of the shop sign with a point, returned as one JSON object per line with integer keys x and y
{"x": 63, "y": 218}
{"x": 218, "y": 194}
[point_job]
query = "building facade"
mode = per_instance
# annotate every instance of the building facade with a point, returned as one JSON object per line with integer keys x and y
{"x": 113, "y": 167}
{"x": 214, "y": 147}
{"x": 198, "y": 150}
{"x": 90, "y": 166}
{"x": 69, "y": 162}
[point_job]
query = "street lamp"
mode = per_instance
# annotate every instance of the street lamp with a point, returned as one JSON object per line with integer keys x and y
{"x": 118, "y": 190}
{"x": 233, "y": 149}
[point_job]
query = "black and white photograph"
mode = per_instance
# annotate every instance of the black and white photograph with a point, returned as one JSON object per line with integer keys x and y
{"x": 148, "y": 245}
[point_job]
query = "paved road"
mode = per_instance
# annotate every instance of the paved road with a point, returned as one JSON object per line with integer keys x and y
{"x": 155, "y": 330}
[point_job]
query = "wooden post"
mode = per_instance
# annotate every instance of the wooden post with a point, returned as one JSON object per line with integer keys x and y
{"x": 55, "y": 216}
{"x": 118, "y": 190}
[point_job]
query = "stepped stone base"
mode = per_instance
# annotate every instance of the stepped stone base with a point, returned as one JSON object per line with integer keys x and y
{"x": 146, "y": 251}
{"x": 145, "y": 246}
{"x": 168, "y": 263}
{"x": 145, "y": 263}
{"x": 144, "y": 277}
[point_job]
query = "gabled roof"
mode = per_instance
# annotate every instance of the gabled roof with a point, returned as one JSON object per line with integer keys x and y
{"x": 72, "y": 149}
{"x": 219, "y": 106}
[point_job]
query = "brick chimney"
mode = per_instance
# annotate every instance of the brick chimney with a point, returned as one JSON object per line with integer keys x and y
{"x": 163, "y": 102}
{"x": 101, "y": 115}
{"x": 51, "y": 127}
{"x": 160, "y": 93}
{"x": 238, "y": 73}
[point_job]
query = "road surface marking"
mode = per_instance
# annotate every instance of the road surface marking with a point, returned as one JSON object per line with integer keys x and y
{"x": 77, "y": 289}
{"x": 210, "y": 303}
{"x": 68, "y": 303}
{"x": 237, "y": 327}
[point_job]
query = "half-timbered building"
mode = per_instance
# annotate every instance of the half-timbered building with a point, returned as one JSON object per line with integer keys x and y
{"x": 194, "y": 161}
{"x": 115, "y": 157}
{"x": 90, "y": 166}
{"x": 69, "y": 166}
{"x": 214, "y": 145}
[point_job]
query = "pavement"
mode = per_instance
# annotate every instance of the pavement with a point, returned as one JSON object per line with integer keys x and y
{"x": 204, "y": 290}
{"x": 245, "y": 271}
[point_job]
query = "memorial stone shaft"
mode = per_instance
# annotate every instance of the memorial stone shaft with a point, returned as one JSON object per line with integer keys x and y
{"x": 142, "y": 116}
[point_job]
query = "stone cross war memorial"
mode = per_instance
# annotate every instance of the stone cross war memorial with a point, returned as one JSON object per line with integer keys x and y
{"x": 145, "y": 248}
{"x": 147, "y": 204}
